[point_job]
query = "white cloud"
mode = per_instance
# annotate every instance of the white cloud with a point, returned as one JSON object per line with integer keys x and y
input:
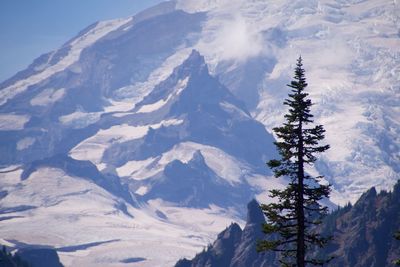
{"x": 230, "y": 32}
{"x": 231, "y": 38}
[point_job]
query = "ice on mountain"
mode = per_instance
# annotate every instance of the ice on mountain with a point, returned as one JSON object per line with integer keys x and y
{"x": 80, "y": 119}
{"x": 119, "y": 106}
{"x": 142, "y": 190}
{"x": 195, "y": 179}
{"x": 25, "y": 143}
{"x": 13, "y": 122}
{"x": 223, "y": 164}
{"x": 77, "y": 209}
{"x": 47, "y": 96}
{"x": 181, "y": 84}
{"x": 93, "y": 148}
{"x": 132, "y": 167}
{"x": 139, "y": 90}
{"x": 236, "y": 111}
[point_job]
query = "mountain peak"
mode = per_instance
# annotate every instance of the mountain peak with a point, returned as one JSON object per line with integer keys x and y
{"x": 254, "y": 213}
{"x": 232, "y": 230}
{"x": 366, "y": 202}
{"x": 198, "y": 157}
{"x": 194, "y": 64}
{"x": 369, "y": 195}
{"x": 371, "y": 239}
{"x": 396, "y": 189}
{"x": 195, "y": 56}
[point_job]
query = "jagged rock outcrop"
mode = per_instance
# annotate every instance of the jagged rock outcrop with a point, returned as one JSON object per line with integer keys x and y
{"x": 363, "y": 233}
{"x": 362, "y": 236}
{"x": 235, "y": 247}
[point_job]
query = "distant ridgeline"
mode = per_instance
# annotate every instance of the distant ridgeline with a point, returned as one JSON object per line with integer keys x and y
{"x": 31, "y": 256}
{"x": 363, "y": 236}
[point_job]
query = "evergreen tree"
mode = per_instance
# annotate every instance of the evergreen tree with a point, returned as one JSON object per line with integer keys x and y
{"x": 397, "y": 236}
{"x": 297, "y": 210}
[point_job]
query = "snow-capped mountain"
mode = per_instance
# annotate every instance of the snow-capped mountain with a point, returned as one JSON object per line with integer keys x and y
{"x": 153, "y": 131}
{"x": 351, "y": 51}
{"x": 176, "y": 154}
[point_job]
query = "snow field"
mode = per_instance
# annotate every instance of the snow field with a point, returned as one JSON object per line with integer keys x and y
{"x": 224, "y": 165}
{"x": 71, "y": 211}
{"x": 93, "y": 148}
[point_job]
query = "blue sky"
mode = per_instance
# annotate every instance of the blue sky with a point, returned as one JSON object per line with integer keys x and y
{"x": 29, "y": 28}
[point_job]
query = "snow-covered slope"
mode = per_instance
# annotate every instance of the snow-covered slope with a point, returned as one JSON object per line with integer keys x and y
{"x": 185, "y": 156}
{"x": 74, "y": 48}
{"x": 127, "y": 127}
{"x": 351, "y": 51}
{"x": 89, "y": 226}
{"x": 183, "y": 129}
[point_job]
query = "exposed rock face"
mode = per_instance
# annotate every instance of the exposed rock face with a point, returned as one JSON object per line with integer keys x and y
{"x": 246, "y": 254}
{"x": 40, "y": 257}
{"x": 363, "y": 233}
{"x": 363, "y": 236}
{"x": 221, "y": 252}
{"x": 235, "y": 247}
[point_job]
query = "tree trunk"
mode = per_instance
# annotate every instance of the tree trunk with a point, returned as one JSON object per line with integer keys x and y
{"x": 300, "y": 253}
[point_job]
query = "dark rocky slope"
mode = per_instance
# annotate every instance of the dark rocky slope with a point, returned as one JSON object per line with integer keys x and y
{"x": 363, "y": 236}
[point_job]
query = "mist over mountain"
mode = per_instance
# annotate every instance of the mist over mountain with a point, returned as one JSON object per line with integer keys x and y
{"x": 153, "y": 131}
